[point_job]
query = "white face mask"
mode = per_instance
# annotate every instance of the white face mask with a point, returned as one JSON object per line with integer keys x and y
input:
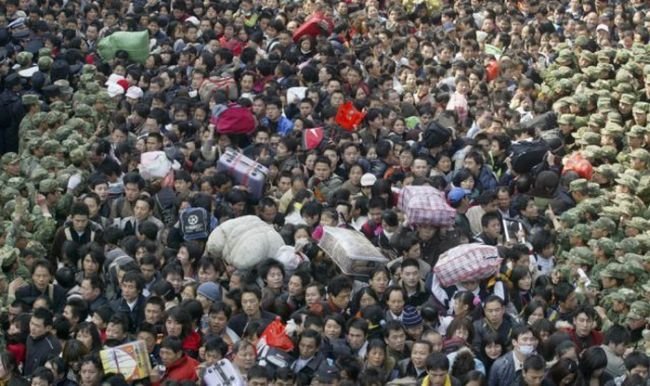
{"x": 527, "y": 349}
{"x": 389, "y": 235}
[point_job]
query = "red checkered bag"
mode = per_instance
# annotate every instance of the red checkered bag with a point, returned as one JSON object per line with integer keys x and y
{"x": 426, "y": 205}
{"x": 467, "y": 262}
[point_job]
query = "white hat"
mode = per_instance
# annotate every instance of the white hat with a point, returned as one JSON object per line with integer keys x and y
{"x": 134, "y": 92}
{"x": 602, "y": 27}
{"x": 368, "y": 179}
{"x": 113, "y": 79}
{"x": 114, "y": 90}
{"x": 193, "y": 20}
{"x": 28, "y": 72}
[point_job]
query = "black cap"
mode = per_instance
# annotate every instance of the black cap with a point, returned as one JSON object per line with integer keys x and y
{"x": 12, "y": 80}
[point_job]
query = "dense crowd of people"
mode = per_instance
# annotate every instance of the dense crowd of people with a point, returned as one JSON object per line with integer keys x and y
{"x": 530, "y": 117}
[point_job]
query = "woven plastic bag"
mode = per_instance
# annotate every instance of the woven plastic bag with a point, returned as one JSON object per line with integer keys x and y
{"x": 275, "y": 336}
{"x": 467, "y": 262}
{"x": 426, "y": 205}
{"x": 136, "y": 44}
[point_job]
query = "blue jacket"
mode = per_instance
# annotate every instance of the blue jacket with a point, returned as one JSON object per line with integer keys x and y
{"x": 283, "y": 126}
{"x": 486, "y": 179}
{"x": 503, "y": 371}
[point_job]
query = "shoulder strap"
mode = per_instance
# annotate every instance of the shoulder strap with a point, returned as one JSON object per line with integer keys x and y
{"x": 50, "y": 290}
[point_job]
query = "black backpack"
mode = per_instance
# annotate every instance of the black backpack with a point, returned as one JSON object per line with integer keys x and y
{"x": 195, "y": 224}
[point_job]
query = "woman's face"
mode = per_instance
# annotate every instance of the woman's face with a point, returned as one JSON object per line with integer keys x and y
{"x": 89, "y": 265}
{"x": 366, "y": 300}
{"x": 493, "y": 350}
{"x": 376, "y": 357}
{"x": 355, "y": 175}
{"x": 89, "y": 374}
{"x": 461, "y": 333}
{"x": 85, "y": 338}
{"x": 92, "y": 206}
{"x": 183, "y": 256}
{"x": 444, "y": 164}
{"x": 332, "y": 329}
{"x": 468, "y": 183}
{"x": 312, "y": 296}
{"x": 379, "y": 282}
{"x": 525, "y": 283}
{"x": 173, "y": 327}
{"x": 274, "y": 278}
{"x": 538, "y": 314}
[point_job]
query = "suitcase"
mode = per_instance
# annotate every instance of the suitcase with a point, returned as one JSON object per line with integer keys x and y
{"x": 352, "y": 252}
{"x": 245, "y": 171}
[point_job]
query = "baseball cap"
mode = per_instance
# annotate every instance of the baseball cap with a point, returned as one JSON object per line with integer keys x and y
{"x": 457, "y": 194}
{"x": 368, "y": 179}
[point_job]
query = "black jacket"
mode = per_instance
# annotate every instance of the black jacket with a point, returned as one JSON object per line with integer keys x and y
{"x": 28, "y": 294}
{"x": 38, "y": 351}
{"x": 136, "y": 316}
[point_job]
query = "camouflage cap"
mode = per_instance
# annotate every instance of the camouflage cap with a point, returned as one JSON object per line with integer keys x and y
{"x": 17, "y": 183}
{"x": 588, "y": 57}
{"x": 78, "y": 155}
{"x": 44, "y": 63}
{"x": 92, "y": 88}
{"x": 49, "y": 186}
{"x": 53, "y": 117}
{"x": 596, "y": 120}
{"x": 589, "y": 138}
{"x": 37, "y": 248}
{"x": 9, "y": 158}
{"x": 35, "y": 143}
{"x": 63, "y": 132}
{"x": 641, "y": 107}
{"x": 83, "y": 111}
{"x": 628, "y": 245}
{"x": 103, "y": 97}
{"x": 634, "y": 267}
{"x": 614, "y": 270}
{"x": 39, "y": 118}
{"x": 637, "y": 223}
{"x": 89, "y": 69}
{"x": 50, "y": 162}
{"x": 622, "y": 88}
{"x": 627, "y": 99}
{"x": 64, "y": 86}
{"x": 636, "y": 131}
{"x": 8, "y": 256}
{"x": 51, "y": 146}
{"x": 623, "y": 295}
{"x": 640, "y": 154}
{"x": 566, "y": 119}
{"x": 607, "y": 245}
{"x": 570, "y": 217}
{"x": 581, "y": 256}
{"x": 44, "y": 52}
{"x": 85, "y": 78}
{"x": 579, "y": 185}
{"x": 638, "y": 310}
{"x": 628, "y": 181}
{"x": 7, "y": 194}
{"x": 38, "y": 174}
{"x": 58, "y": 106}
{"x": 30, "y": 99}
{"x": 24, "y": 58}
{"x": 605, "y": 223}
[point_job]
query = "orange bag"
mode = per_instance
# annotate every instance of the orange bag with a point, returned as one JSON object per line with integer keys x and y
{"x": 276, "y": 337}
{"x": 348, "y": 117}
{"x": 580, "y": 165}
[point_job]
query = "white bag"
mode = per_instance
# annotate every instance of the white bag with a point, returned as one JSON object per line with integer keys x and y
{"x": 154, "y": 164}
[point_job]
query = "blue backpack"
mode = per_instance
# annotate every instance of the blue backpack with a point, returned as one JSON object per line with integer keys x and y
{"x": 195, "y": 224}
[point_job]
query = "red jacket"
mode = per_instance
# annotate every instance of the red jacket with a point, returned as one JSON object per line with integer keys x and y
{"x": 594, "y": 339}
{"x": 183, "y": 369}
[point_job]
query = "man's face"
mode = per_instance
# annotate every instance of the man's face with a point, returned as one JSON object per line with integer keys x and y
{"x": 307, "y": 347}
{"x": 494, "y": 313}
{"x": 41, "y": 278}
{"x": 356, "y": 338}
{"x": 395, "y": 302}
{"x": 396, "y": 340}
{"x": 69, "y": 315}
{"x": 152, "y": 313}
{"x": 419, "y": 355}
{"x": 493, "y": 229}
{"x": 218, "y": 322}
{"x": 79, "y": 222}
{"x": 641, "y": 371}
{"x": 420, "y": 168}
{"x": 322, "y": 171}
{"x": 169, "y": 356}
{"x": 410, "y": 276}
{"x": 437, "y": 377}
{"x": 129, "y": 290}
{"x": 131, "y": 191}
{"x": 342, "y": 299}
{"x": 583, "y": 324}
{"x": 268, "y": 213}
{"x": 533, "y": 377}
{"x": 272, "y": 112}
{"x": 250, "y": 303}
{"x": 87, "y": 292}
{"x": 141, "y": 210}
{"x": 471, "y": 164}
{"x": 37, "y": 327}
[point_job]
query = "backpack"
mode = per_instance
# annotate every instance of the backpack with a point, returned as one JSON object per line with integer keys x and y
{"x": 234, "y": 120}
{"x": 195, "y": 224}
{"x": 526, "y": 155}
{"x": 211, "y": 85}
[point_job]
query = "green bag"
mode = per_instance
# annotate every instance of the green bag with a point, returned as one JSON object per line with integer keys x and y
{"x": 135, "y": 43}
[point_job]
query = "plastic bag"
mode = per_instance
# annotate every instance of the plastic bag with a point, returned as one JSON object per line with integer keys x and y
{"x": 348, "y": 117}
{"x": 578, "y": 164}
{"x": 136, "y": 44}
{"x": 275, "y": 336}
{"x": 154, "y": 164}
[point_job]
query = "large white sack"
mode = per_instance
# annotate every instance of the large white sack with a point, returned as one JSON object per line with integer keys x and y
{"x": 243, "y": 242}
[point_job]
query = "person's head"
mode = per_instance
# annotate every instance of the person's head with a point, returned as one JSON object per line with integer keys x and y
{"x": 491, "y": 223}
{"x": 91, "y": 287}
{"x": 494, "y": 310}
{"x": 322, "y": 168}
{"x": 41, "y": 323}
{"x": 244, "y": 354}
{"x": 617, "y": 337}
{"x": 593, "y": 362}
{"x": 534, "y": 311}
{"x": 75, "y": 311}
{"x": 314, "y": 293}
{"x": 118, "y": 327}
{"x": 339, "y": 290}
{"x": 533, "y": 372}
{"x": 493, "y": 346}
{"x": 171, "y": 350}
{"x": 357, "y": 330}
{"x": 437, "y": 365}
{"x": 637, "y": 363}
{"x": 178, "y": 322}
{"x": 42, "y": 377}
{"x": 395, "y": 335}
{"x": 272, "y": 273}
{"x": 79, "y": 214}
{"x": 379, "y": 279}
{"x": 215, "y": 349}
{"x": 461, "y": 328}
{"x": 88, "y": 334}
{"x": 563, "y": 372}
{"x": 465, "y": 303}
{"x": 131, "y": 285}
{"x": 565, "y": 295}
{"x": 395, "y": 298}
{"x": 42, "y": 274}
{"x": 258, "y": 376}
{"x": 523, "y": 340}
{"x": 90, "y": 372}
{"x": 583, "y": 320}
{"x": 420, "y": 351}
{"x": 308, "y": 344}
{"x": 251, "y": 298}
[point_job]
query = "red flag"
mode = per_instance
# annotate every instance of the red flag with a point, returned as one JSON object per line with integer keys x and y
{"x": 348, "y": 117}
{"x": 311, "y": 138}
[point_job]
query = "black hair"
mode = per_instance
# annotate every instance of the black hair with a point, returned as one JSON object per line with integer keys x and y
{"x": 437, "y": 361}
{"x": 172, "y": 343}
{"x": 592, "y": 359}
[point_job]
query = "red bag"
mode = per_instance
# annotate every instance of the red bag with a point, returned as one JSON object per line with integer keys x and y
{"x": 226, "y": 84}
{"x": 234, "y": 120}
{"x": 426, "y": 205}
{"x": 276, "y": 337}
{"x": 311, "y": 138}
{"x": 467, "y": 262}
{"x": 348, "y": 117}
{"x": 314, "y": 26}
{"x": 578, "y": 164}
